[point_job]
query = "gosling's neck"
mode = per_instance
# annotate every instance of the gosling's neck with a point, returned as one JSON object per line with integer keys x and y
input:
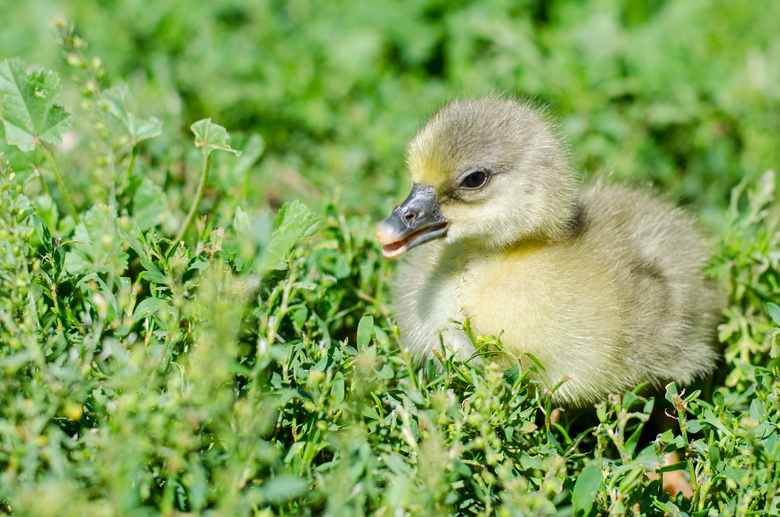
{"x": 552, "y": 226}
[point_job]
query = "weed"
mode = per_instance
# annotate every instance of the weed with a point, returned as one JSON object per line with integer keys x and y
{"x": 165, "y": 348}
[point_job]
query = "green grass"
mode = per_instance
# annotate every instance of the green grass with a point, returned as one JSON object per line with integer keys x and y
{"x": 186, "y": 330}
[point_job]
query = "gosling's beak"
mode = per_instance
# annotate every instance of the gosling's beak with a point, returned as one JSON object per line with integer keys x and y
{"x": 415, "y": 221}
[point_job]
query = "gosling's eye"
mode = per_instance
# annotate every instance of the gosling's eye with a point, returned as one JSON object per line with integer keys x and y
{"x": 474, "y": 180}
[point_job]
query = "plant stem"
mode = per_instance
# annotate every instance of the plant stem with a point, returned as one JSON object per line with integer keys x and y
{"x": 275, "y": 321}
{"x": 195, "y": 204}
{"x": 60, "y": 182}
{"x": 132, "y": 161}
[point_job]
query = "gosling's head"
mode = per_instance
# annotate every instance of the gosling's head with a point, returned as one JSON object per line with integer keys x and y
{"x": 488, "y": 171}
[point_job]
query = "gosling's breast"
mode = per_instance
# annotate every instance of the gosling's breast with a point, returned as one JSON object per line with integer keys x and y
{"x": 544, "y": 302}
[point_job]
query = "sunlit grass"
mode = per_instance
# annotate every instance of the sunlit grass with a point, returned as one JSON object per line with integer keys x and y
{"x": 185, "y": 341}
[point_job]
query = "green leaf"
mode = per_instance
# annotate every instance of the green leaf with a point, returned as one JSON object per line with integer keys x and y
{"x": 396, "y": 463}
{"x": 283, "y": 488}
{"x": 669, "y": 507}
{"x": 149, "y": 205}
{"x": 774, "y": 312}
{"x": 44, "y": 235}
{"x": 210, "y": 136}
{"x": 153, "y": 274}
{"x": 512, "y": 375}
{"x": 30, "y": 114}
{"x": 112, "y": 308}
{"x": 253, "y": 237}
{"x": 113, "y": 101}
{"x": 263, "y": 243}
{"x": 386, "y": 372}
{"x": 680, "y": 465}
{"x": 253, "y": 150}
{"x": 536, "y": 361}
{"x": 585, "y": 489}
{"x": 757, "y": 410}
{"x": 648, "y": 458}
{"x": 666, "y": 437}
{"x": 150, "y": 306}
{"x": 365, "y": 330}
{"x": 738, "y": 475}
{"x": 294, "y": 221}
{"x": 47, "y": 210}
{"x": 96, "y": 245}
{"x": 633, "y": 440}
{"x": 694, "y": 426}
{"x": 671, "y": 391}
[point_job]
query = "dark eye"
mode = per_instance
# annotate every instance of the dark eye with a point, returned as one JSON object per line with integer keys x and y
{"x": 474, "y": 180}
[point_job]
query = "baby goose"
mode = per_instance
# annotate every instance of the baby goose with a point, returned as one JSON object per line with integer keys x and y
{"x": 601, "y": 283}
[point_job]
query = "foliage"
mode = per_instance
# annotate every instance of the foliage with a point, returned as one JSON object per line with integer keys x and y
{"x": 682, "y": 93}
{"x": 168, "y": 349}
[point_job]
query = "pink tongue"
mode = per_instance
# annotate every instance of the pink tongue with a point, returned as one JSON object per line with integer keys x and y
{"x": 391, "y": 250}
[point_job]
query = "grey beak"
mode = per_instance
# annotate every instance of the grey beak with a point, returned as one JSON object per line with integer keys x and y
{"x": 414, "y": 222}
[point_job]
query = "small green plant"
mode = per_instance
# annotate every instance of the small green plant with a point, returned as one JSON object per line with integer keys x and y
{"x": 208, "y": 137}
{"x": 31, "y": 117}
{"x": 168, "y": 349}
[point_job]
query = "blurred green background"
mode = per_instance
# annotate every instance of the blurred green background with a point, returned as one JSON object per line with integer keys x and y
{"x": 685, "y": 94}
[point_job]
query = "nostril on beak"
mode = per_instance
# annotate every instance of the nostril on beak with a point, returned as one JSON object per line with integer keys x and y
{"x": 410, "y": 216}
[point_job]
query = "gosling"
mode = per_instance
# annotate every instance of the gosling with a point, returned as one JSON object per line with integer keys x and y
{"x": 600, "y": 283}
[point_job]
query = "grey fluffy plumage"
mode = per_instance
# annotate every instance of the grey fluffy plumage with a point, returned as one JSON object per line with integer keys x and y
{"x": 602, "y": 283}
